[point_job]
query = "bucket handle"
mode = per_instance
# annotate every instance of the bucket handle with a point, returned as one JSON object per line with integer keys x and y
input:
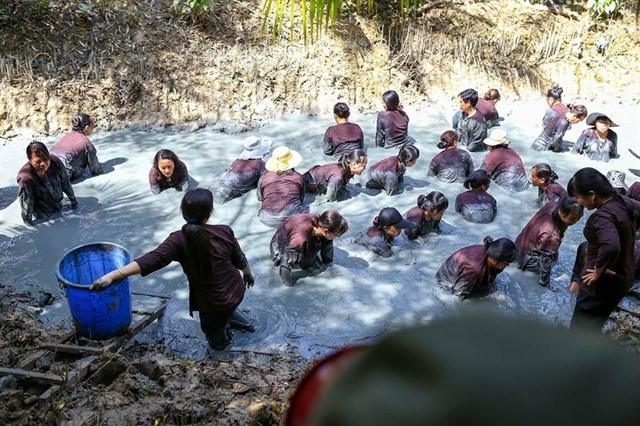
{"x": 63, "y": 288}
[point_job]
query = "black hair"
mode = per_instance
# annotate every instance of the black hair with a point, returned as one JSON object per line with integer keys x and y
{"x": 477, "y": 178}
{"x": 408, "y": 153}
{"x": 333, "y": 221}
{"x": 502, "y": 249}
{"x": 589, "y": 179}
{"x": 469, "y": 95}
{"x": 492, "y": 95}
{"x": 544, "y": 171}
{"x": 555, "y": 93}
{"x": 434, "y": 201}
{"x": 579, "y": 111}
{"x": 341, "y": 110}
{"x": 355, "y": 156}
{"x": 80, "y": 122}
{"x": 568, "y": 204}
{"x": 447, "y": 139}
{"x": 165, "y": 154}
{"x": 391, "y": 100}
{"x": 196, "y": 207}
{"x": 39, "y": 149}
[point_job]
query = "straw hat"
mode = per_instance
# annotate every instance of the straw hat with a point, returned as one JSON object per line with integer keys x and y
{"x": 497, "y": 137}
{"x": 283, "y": 159}
{"x": 591, "y": 119}
{"x": 254, "y": 147}
{"x": 616, "y": 179}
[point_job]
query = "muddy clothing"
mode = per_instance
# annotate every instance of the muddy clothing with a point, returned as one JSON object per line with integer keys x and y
{"x": 472, "y": 131}
{"x": 477, "y": 206}
{"x": 551, "y": 137}
{"x": 223, "y": 288}
{"x": 178, "y": 180}
{"x": 581, "y": 255}
{"x": 466, "y": 272}
{"x": 558, "y": 110}
{"x": 634, "y": 191}
{"x": 505, "y": 167}
{"x": 77, "y": 153}
{"x": 326, "y": 179}
{"x": 294, "y": 246}
{"x": 392, "y": 128}
{"x": 241, "y": 177}
{"x": 386, "y": 174}
{"x": 42, "y": 196}
{"x": 552, "y": 193}
{"x": 610, "y": 233}
{"x": 538, "y": 243}
{"x": 282, "y": 195}
{"x": 451, "y": 165}
{"x": 376, "y": 241}
{"x": 341, "y": 138}
{"x": 419, "y": 225}
{"x": 489, "y": 112}
{"x": 590, "y": 145}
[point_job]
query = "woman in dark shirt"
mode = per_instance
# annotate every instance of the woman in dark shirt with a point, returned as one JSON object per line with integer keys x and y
{"x": 305, "y": 241}
{"x": 386, "y": 226}
{"x": 426, "y": 216}
{"x": 281, "y": 188}
{"x": 556, "y": 126}
{"x": 609, "y": 267}
{"x": 332, "y": 178}
{"x": 539, "y": 241}
{"x": 389, "y": 173}
{"x": 76, "y": 150}
{"x": 545, "y": 178}
{"x": 598, "y": 143}
{"x": 243, "y": 174}
{"x": 210, "y": 257}
{"x": 452, "y": 164}
{"x": 168, "y": 172}
{"x": 476, "y": 205}
{"x": 471, "y": 271}
{"x": 503, "y": 164}
{"x": 393, "y": 123}
{"x": 344, "y": 136}
{"x": 556, "y": 107}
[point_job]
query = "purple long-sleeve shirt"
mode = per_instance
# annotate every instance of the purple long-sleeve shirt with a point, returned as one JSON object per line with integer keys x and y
{"x": 477, "y": 206}
{"x": 223, "y": 288}
{"x": 294, "y": 243}
{"x": 241, "y": 177}
{"x": 505, "y": 167}
{"x": 326, "y": 179}
{"x": 419, "y": 225}
{"x": 552, "y": 134}
{"x": 392, "y": 129}
{"x": 279, "y": 192}
{"x": 451, "y": 165}
{"x": 77, "y": 153}
{"x": 590, "y": 145}
{"x": 178, "y": 180}
{"x": 472, "y": 131}
{"x": 343, "y": 137}
{"x": 386, "y": 174}
{"x": 467, "y": 273}
{"x": 375, "y": 240}
{"x": 552, "y": 193}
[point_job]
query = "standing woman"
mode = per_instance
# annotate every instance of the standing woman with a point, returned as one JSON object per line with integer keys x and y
{"x": 76, "y": 150}
{"x": 332, "y": 178}
{"x": 168, "y": 172}
{"x": 476, "y": 205}
{"x": 305, "y": 241}
{"x": 610, "y": 231}
{"x": 556, "y": 107}
{"x": 281, "y": 188}
{"x": 545, "y": 179}
{"x": 471, "y": 271}
{"x": 556, "y": 126}
{"x": 599, "y": 143}
{"x": 344, "y": 136}
{"x": 388, "y": 174}
{"x": 393, "y": 123}
{"x": 210, "y": 257}
{"x": 426, "y": 216}
{"x": 379, "y": 237}
{"x": 539, "y": 241}
{"x": 503, "y": 164}
{"x": 487, "y": 107}
{"x": 452, "y": 164}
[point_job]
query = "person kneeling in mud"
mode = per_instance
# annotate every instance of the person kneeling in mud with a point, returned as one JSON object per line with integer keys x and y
{"x": 388, "y": 174}
{"x": 426, "y": 216}
{"x": 305, "y": 241}
{"x": 386, "y": 226}
{"x": 211, "y": 258}
{"x": 332, "y": 179}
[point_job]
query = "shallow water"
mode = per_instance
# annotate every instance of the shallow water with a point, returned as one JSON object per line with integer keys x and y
{"x": 358, "y": 298}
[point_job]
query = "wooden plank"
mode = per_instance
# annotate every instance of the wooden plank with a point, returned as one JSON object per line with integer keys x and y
{"x": 158, "y": 295}
{"x": 136, "y": 328}
{"x": 79, "y": 373}
{"x": 72, "y": 349}
{"x": 28, "y": 362}
{"x": 140, "y": 311}
{"x": 32, "y": 375}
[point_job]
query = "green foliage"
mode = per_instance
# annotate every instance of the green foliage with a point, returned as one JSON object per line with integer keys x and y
{"x": 603, "y": 9}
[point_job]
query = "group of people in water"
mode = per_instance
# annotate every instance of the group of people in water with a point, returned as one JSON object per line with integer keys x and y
{"x": 217, "y": 269}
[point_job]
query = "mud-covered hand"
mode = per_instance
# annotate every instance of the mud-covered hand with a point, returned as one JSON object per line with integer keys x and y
{"x": 102, "y": 283}
{"x": 592, "y": 276}
{"x": 248, "y": 279}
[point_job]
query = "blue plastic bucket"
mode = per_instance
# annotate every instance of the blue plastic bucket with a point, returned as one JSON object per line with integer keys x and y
{"x": 100, "y": 314}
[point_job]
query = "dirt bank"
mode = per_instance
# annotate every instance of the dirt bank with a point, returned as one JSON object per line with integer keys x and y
{"x": 144, "y": 63}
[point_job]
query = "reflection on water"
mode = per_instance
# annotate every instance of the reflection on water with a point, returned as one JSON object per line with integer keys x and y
{"x": 360, "y": 297}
